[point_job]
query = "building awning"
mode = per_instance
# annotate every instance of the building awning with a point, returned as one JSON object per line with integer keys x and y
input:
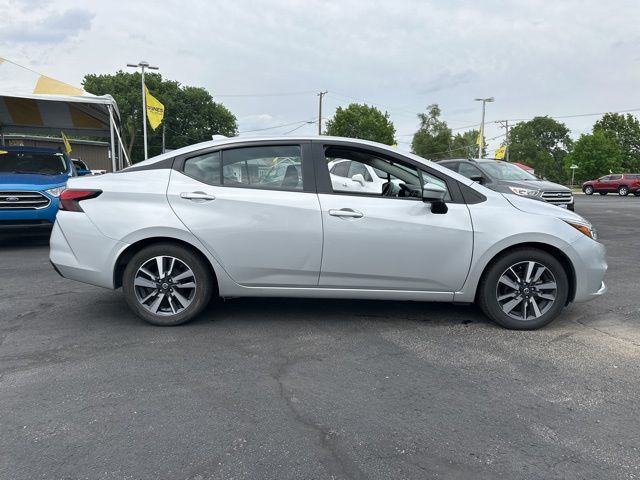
{"x": 84, "y": 115}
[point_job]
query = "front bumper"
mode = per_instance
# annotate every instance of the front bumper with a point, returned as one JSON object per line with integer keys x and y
{"x": 588, "y": 258}
{"x": 29, "y": 219}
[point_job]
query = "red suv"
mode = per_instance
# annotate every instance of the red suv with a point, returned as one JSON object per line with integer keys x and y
{"x": 622, "y": 183}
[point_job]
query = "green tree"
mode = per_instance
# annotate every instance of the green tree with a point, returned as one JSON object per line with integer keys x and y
{"x": 625, "y": 129}
{"x": 542, "y": 143}
{"x": 595, "y": 155}
{"x": 190, "y": 116}
{"x": 362, "y": 121}
{"x": 464, "y": 145}
{"x": 433, "y": 138}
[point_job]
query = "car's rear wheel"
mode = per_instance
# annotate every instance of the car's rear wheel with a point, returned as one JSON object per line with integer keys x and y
{"x": 637, "y": 194}
{"x": 623, "y": 191}
{"x": 588, "y": 190}
{"x": 524, "y": 289}
{"x": 167, "y": 284}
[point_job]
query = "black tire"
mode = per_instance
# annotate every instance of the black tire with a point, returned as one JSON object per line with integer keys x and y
{"x": 199, "y": 298}
{"x": 623, "y": 190}
{"x": 571, "y": 207}
{"x": 588, "y": 190}
{"x": 489, "y": 289}
{"x": 603, "y": 193}
{"x": 637, "y": 194}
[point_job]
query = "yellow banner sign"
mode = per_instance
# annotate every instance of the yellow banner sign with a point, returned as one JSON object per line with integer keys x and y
{"x": 501, "y": 152}
{"x": 155, "y": 109}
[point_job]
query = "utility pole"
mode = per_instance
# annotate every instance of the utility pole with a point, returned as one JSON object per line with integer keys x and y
{"x": 142, "y": 64}
{"x": 481, "y": 135}
{"x": 320, "y": 95}
{"x": 505, "y": 124}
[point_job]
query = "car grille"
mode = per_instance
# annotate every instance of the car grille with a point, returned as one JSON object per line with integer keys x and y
{"x": 558, "y": 198}
{"x": 23, "y": 201}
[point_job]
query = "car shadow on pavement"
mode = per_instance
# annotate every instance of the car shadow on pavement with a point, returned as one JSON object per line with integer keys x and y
{"x": 331, "y": 311}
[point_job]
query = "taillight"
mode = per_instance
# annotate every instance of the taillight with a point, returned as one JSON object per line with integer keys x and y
{"x": 70, "y": 198}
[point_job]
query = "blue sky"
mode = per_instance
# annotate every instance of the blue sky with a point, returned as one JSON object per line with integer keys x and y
{"x": 265, "y": 60}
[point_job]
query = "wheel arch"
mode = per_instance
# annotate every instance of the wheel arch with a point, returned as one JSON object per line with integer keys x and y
{"x": 557, "y": 253}
{"x": 131, "y": 250}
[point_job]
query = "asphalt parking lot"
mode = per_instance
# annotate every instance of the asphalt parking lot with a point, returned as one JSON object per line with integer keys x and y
{"x": 308, "y": 389}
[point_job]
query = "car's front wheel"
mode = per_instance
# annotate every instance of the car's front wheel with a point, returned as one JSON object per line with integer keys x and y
{"x": 167, "y": 284}
{"x": 623, "y": 191}
{"x": 588, "y": 190}
{"x": 524, "y": 289}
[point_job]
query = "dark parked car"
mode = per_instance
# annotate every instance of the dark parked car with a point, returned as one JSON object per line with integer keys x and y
{"x": 621, "y": 183}
{"x": 505, "y": 177}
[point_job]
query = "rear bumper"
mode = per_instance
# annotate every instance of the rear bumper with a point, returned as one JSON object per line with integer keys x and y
{"x": 78, "y": 251}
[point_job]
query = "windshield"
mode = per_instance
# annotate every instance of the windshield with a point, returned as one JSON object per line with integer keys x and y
{"x": 28, "y": 162}
{"x": 506, "y": 171}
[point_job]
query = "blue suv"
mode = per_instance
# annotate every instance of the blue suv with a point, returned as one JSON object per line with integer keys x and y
{"x": 31, "y": 180}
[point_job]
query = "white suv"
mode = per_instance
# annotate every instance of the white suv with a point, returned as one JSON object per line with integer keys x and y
{"x": 263, "y": 217}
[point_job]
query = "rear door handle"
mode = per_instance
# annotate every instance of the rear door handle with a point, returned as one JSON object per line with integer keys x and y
{"x": 345, "y": 212}
{"x": 197, "y": 196}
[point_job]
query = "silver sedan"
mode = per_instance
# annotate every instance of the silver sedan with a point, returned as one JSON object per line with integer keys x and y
{"x": 261, "y": 217}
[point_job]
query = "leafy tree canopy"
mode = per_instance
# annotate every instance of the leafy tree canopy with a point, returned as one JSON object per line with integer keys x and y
{"x": 464, "y": 145}
{"x": 595, "y": 155}
{"x": 362, "y": 121}
{"x": 542, "y": 143}
{"x": 433, "y": 138}
{"x": 191, "y": 115}
{"x": 625, "y": 130}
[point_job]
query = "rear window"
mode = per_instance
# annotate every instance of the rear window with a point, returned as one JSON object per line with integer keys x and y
{"x": 28, "y": 162}
{"x": 633, "y": 177}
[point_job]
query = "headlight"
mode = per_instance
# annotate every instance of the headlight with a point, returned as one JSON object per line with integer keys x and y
{"x": 585, "y": 228}
{"x": 524, "y": 191}
{"x": 55, "y": 192}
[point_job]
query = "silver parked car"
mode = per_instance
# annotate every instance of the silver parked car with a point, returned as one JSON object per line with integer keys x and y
{"x": 213, "y": 220}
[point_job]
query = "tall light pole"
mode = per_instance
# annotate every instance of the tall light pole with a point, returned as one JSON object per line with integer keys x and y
{"x": 143, "y": 65}
{"x": 320, "y": 95}
{"x": 481, "y": 136}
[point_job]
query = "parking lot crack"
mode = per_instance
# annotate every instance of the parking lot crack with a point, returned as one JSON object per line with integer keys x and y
{"x": 338, "y": 462}
{"x": 604, "y": 332}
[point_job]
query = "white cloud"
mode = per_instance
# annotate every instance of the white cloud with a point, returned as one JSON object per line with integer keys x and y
{"x": 536, "y": 57}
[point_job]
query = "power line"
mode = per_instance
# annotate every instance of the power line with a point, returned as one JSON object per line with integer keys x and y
{"x": 294, "y": 129}
{"x": 281, "y": 94}
{"x": 275, "y": 126}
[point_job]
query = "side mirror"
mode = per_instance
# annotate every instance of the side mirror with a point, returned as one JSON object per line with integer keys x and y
{"x": 478, "y": 178}
{"x": 81, "y": 172}
{"x": 358, "y": 177}
{"x": 434, "y": 194}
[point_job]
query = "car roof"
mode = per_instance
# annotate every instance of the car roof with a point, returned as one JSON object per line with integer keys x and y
{"x": 251, "y": 139}
{"x": 29, "y": 149}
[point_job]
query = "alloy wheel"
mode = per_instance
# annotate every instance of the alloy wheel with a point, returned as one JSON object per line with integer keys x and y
{"x": 526, "y": 290}
{"x": 165, "y": 285}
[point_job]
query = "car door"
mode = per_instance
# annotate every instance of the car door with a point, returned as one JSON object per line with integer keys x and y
{"x": 262, "y": 226}
{"x": 600, "y": 185}
{"x": 390, "y": 241}
{"x": 614, "y": 183}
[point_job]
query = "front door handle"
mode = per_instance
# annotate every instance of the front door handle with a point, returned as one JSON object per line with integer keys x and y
{"x": 196, "y": 196}
{"x": 345, "y": 212}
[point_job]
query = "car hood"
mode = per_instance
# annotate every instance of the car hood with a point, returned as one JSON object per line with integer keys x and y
{"x": 30, "y": 181}
{"x": 536, "y": 207}
{"x": 543, "y": 185}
